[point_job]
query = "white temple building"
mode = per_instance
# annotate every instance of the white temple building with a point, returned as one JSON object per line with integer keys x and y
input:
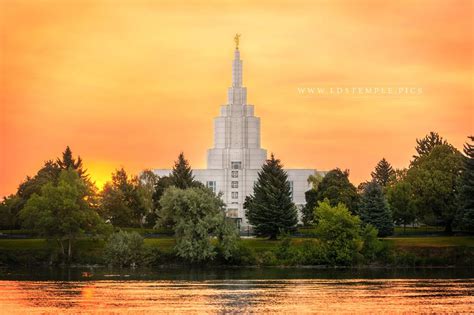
{"x": 237, "y": 157}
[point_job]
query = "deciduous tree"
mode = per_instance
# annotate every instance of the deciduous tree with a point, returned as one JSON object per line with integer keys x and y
{"x": 435, "y": 179}
{"x": 61, "y": 211}
{"x": 402, "y": 203}
{"x": 198, "y": 215}
{"x": 466, "y": 196}
{"x": 337, "y": 188}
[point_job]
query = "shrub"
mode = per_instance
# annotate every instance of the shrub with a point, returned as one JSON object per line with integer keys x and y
{"x": 372, "y": 245}
{"x": 339, "y": 232}
{"x": 267, "y": 258}
{"x": 241, "y": 255}
{"x": 124, "y": 249}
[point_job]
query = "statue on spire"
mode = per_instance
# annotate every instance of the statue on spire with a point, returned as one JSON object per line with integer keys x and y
{"x": 237, "y": 40}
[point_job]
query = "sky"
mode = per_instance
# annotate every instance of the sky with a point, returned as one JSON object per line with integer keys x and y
{"x": 132, "y": 83}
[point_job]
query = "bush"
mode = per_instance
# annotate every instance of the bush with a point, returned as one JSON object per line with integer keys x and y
{"x": 241, "y": 255}
{"x": 372, "y": 245}
{"x": 124, "y": 249}
{"x": 339, "y": 232}
{"x": 155, "y": 257}
{"x": 267, "y": 258}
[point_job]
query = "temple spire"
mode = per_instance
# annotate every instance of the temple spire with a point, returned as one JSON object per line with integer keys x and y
{"x": 237, "y": 94}
{"x": 237, "y": 64}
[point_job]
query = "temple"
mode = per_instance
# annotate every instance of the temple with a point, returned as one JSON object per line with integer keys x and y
{"x": 237, "y": 157}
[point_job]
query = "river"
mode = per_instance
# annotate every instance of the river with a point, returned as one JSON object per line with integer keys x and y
{"x": 252, "y": 290}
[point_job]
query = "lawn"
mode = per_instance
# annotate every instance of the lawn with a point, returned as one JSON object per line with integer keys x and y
{"x": 436, "y": 241}
{"x": 164, "y": 244}
{"x": 257, "y": 244}
{"x": 9, "y": 244}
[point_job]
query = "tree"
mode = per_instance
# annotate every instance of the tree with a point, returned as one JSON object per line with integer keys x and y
{"x": 425, "y": 145}
{"x": 401, "y": 200}
{"x": 197, "y": 215}
{"x": 124, "y": 249}
{"x": 270, "y": 209}
{"x": 342, "y": 234}
{"x": 182, "y": 174}
{"x": 435, "y": 179}
{"x": 311, "y": 198}
{"x": 161, "y": 185}
{"x": 337, "y": 188}
{"x": 69, "y": 162}
{"x": 62, "y": 212}
{"x": 49, "y": 173}
{"x": 374, "y": 210}
{"x": 383, "y": 173}
{"x": 146, "y": 191}
{"x": 9, "y": 209}
{"x": 123, "y": 200}
{"x": 466, "y": 196}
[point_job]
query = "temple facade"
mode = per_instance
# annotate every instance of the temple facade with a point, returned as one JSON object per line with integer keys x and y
{"x": 237, "y": 156}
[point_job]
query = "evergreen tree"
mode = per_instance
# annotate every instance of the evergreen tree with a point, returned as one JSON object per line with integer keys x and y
{"x": 337, "y": 188}
{"x": 270, "y": 209}
{"x": 68, "y": 161}
{"x": 466, "y": 197}
{"x": 374, "y": 209}
{"x": 425, "y": 145}
{"x": 383, "y": 173}
{"x": 182, "y": 175}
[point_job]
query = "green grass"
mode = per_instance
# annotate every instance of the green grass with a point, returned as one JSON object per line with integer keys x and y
{"x": 257, "y": 244}
{"x": 31, "y": 244}
{"x": 164, "y": 244}
{"x": 439, "y": 241}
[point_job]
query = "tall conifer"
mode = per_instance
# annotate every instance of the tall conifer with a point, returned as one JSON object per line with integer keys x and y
{"x": 270, "y": 209}
{"x": 374, "y": 209}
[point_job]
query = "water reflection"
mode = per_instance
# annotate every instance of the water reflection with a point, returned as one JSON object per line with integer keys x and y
{"x": 255, "y": 296}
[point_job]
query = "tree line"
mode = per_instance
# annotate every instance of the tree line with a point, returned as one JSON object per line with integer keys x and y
{"x": 436, "y": 189}
{"x": 62, "y": 203}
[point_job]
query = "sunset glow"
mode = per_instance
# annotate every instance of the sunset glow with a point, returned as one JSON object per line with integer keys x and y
{"x": 133, "y": 83}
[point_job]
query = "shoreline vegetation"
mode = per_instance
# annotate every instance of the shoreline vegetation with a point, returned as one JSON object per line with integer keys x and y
{"x": 398, "y": 252}
{"x": 422, "y": 216}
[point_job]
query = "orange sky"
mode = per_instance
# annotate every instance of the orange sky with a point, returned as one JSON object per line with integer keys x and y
{"x": 131, "y": 83}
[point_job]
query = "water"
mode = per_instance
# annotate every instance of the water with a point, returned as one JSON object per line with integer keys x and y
{"x": 71, "y": 291}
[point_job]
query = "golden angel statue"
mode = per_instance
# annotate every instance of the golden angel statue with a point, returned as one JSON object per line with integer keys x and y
{"x": 236, "y": 40}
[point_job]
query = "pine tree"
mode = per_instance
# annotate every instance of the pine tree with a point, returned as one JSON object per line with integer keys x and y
{"x": 270, "y": 209}
{"x": 425, "y": 145}
{"x": 383, "y": 173}
{"x": 374, "y": 209}
{"x": 467, "y": 188}
{"x": 68, "y": 162}
{"x": 182, "y": 175}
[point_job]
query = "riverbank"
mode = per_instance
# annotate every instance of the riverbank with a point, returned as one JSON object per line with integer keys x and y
{"x": 397, "y": 252}
{"x": 91, "y": 273}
